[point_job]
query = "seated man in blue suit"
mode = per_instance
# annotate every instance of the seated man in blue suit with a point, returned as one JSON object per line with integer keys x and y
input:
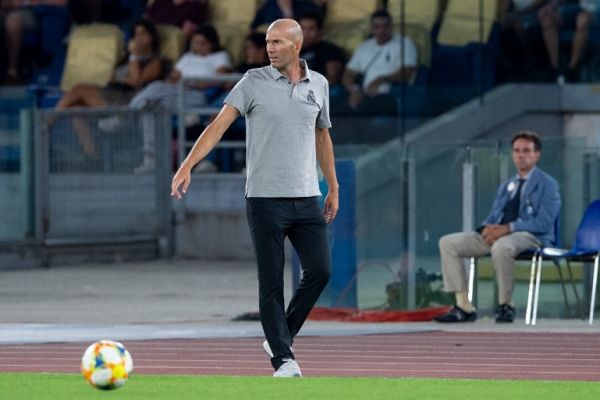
{"x": 523, "y": 216}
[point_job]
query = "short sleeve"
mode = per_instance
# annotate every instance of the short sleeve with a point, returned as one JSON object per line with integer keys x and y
{"x": 242, "y": 95}
{"x": 323, "y": 120}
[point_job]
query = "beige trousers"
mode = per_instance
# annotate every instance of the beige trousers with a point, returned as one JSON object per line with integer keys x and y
{"x": 457, "y": 246}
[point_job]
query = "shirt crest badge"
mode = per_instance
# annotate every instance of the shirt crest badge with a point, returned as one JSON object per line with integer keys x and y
{"x": 311, "y": 96}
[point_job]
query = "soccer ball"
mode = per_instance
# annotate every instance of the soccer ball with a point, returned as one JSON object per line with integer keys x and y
{"x": 106, "y": 365}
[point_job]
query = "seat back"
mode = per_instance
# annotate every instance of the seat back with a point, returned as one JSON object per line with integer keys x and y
{"x": 556, "y": 241}
{"x": 588, "y": 232}
{"x": 229, "y": 12}
{"x": 348, "y": 35}
{"x": 465, "y": 22}
{"x": 422, "y": 40}
{"x": 420, "y": 12}
{"x": 172, "y": 42}
{"x": 232, "y": 20}
{"x": 345, "y": 11}
{"x": 94, "y": 51}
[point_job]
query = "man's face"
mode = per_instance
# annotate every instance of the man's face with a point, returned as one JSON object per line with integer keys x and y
{"x": 310, "y": 31}
{"x": 280, "y": 47}
{"x": 381, "y": 28}
{"x": 524, "y": 155}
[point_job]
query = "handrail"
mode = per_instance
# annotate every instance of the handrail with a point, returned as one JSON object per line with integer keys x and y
{"x": 182, "y": 143}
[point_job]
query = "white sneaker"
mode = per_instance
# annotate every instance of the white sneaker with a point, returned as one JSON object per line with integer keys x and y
{"x": 268, "y": 350}
{"x": 289, "y": 369}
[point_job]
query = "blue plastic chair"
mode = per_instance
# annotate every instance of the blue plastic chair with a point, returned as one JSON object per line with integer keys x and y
{"x": 586, "y": 248}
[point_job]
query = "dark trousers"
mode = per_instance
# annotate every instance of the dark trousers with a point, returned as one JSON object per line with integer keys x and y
{"x": 301, "y": 220}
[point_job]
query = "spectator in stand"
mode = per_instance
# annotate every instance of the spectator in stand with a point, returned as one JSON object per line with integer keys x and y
{"x": 205, "y": 58}
{"x": 517, "y": 18}
{"x": 141, "y": 66}
{"x": 573, "y": 15}
{"x": 255, "y": 52}
{"x": 277, "y": 9}
{"x": 320, "y": 55}
{"x": 17, "y": 17}
{"x": 377, "y": 63}
{"x": 186, "y": 14}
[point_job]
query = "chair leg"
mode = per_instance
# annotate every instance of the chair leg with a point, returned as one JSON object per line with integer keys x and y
{"x": 594, "y": 284}
{"x": 575, "y": 291}
{"x": 471, "y": 279}
{"x": 537, "y": 289}
{"x": 564, "y": 290}
{"x": 530, "y": 293}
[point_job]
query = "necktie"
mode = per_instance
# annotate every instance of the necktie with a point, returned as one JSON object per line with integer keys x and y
{"x": 511, "y": 209}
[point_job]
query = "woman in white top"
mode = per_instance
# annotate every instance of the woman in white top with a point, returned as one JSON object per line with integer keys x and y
{"x": 205, "y": 58}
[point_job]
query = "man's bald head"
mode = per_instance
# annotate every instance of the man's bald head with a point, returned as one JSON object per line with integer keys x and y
{"x": 290, "y": 28}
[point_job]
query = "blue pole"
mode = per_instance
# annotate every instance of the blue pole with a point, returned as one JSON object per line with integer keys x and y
{"x": 341, "y": 290}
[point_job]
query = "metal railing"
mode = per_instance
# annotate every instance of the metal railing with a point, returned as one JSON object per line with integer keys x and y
{"x": 89, "y": 187}
{"x": 183, "y": 145}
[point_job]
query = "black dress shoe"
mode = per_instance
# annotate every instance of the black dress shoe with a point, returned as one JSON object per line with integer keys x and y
{"x": 505, "y": 313}
{"x": 456, "y": 314}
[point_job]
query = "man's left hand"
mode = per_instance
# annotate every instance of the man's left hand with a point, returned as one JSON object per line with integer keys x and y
{"x": 491, "y": 233}
{"x": 331, "y": 207}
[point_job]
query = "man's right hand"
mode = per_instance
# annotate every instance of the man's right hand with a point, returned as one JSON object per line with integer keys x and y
{"x": 181, "y": 179}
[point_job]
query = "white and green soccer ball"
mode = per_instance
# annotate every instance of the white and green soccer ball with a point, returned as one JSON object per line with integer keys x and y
{"x": 106, "y": 365}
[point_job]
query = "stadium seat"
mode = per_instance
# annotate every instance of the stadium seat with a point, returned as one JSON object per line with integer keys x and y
{"x": 232, "y": 20}
{"x": 464, "y": 53}
{"x": 348, "y": 35}
{"x": 347, "y": 22}
{"x": 462, "y": 19}
{"x": 172, "y": 42}
{"x": 348, "y": 11}
{"x": 421, "y": 12}
{"x": 586, "y": 248}
{"x": 422, "y": 40}
{"x": 94, "y": 50}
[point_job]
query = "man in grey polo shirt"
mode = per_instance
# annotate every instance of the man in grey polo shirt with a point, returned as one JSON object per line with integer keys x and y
{"x": 287, "y": 128}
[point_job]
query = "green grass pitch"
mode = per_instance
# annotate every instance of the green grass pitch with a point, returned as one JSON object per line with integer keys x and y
{"x": 39, "y": 386}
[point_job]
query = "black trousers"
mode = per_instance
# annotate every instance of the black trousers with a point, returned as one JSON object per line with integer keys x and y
{"x": 301, "y": 220}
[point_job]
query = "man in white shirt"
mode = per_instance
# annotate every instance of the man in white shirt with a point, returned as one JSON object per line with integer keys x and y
{"x": 379, "y": 62}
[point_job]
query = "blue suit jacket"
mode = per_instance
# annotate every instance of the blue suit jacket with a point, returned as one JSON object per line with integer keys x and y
{"x": 538, "y": 209}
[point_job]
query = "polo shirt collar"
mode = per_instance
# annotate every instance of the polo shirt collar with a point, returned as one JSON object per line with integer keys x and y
{"x": 276, "y": 74}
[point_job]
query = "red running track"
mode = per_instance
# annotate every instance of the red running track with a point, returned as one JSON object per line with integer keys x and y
{"x": 509, "y": 355}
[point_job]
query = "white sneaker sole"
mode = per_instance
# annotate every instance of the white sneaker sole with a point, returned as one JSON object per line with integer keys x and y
{"x": 267, "y": 349}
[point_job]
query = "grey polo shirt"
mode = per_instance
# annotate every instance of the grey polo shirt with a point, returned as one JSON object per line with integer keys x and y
{"x": 280, "y": 130}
